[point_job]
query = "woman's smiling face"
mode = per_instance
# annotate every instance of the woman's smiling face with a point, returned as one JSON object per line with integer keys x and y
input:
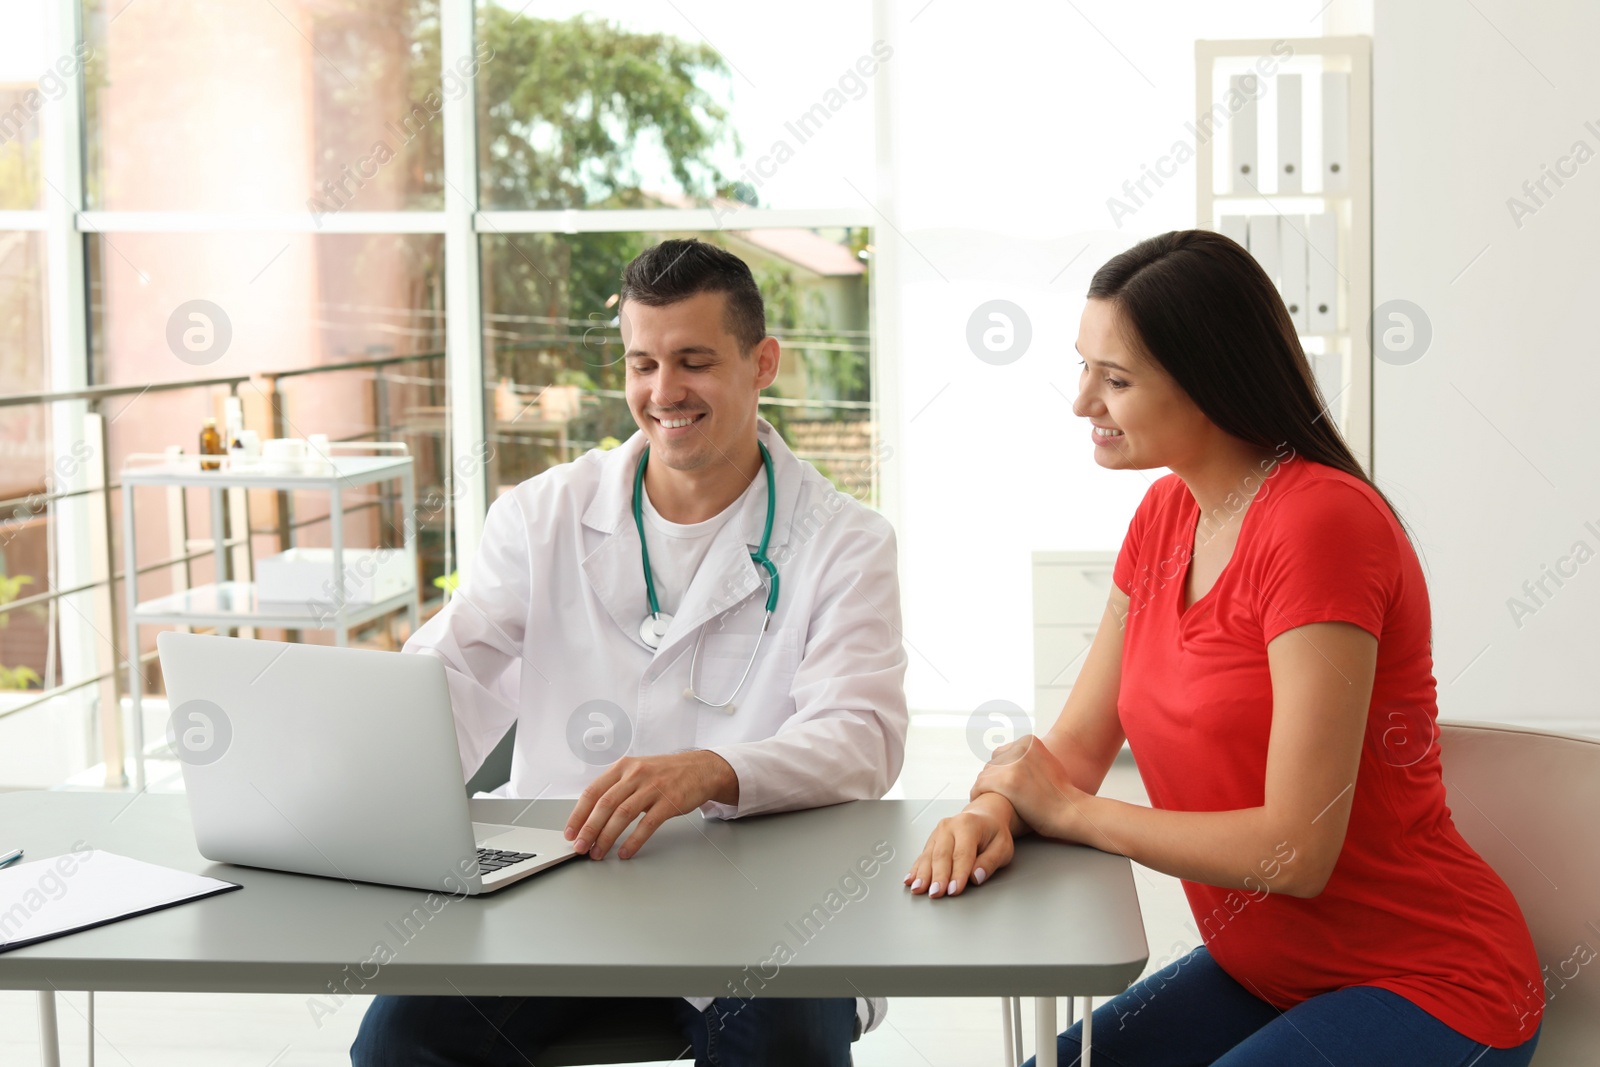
{"x": 1142, "y": 418}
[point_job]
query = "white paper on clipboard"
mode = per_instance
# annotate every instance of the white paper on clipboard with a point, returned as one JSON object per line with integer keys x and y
{"x": 64, "y": 894}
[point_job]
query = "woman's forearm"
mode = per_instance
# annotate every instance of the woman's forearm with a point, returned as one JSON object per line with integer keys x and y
{"x": 1226, "y": 848}
{"x": 1246, "y": 849}
{"x": 1034, "y": 786}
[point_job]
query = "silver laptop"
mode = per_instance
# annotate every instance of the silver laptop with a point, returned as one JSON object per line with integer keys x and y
{"x": 340, "y": 762}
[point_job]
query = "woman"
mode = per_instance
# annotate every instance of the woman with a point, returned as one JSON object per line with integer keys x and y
{"x": 1266, "y": 654}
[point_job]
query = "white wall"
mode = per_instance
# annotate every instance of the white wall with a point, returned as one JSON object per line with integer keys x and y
{"x": 1010, "y": 132}
{"x": 1488, "y": 442}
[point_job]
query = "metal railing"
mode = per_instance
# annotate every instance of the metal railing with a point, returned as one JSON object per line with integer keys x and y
{"x": 96, "y": 396}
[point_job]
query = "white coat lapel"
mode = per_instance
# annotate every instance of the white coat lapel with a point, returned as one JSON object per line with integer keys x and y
{"x": 615, "y": 570}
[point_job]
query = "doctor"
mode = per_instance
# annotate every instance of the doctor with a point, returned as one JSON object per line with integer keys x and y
{"x": 695, "y": 619}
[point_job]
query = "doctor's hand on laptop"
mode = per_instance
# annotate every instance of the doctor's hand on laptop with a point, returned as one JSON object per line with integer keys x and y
{"x": 655, "y": 787}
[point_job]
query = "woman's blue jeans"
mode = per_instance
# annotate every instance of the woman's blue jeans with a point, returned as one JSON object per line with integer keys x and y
{"x": 1201, "y": 1017}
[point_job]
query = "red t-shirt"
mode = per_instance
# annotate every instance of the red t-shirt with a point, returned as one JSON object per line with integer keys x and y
{"x": 1410, "y": 907}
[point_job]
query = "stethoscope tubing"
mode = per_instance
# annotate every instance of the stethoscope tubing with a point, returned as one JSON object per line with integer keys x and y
{"x": 653, "y": 625}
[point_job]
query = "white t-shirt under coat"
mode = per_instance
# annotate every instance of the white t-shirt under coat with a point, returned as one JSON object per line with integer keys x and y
{"x": 677, "y": 549}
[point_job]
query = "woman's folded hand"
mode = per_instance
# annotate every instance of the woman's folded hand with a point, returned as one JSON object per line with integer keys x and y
{"x": 1028, "y": 775}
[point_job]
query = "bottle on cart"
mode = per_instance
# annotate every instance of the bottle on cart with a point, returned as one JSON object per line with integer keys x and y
{"x": 232, "y": 423}
{"x": 211, "y": 445}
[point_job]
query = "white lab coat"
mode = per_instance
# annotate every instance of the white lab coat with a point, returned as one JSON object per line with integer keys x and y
{"x": 548, "y": 625}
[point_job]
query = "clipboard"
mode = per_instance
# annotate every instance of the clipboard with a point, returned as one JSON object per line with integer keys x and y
{"x": 62, "y": 895}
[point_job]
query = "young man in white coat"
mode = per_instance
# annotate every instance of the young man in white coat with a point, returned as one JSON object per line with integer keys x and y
{"x": 646, "y": 700}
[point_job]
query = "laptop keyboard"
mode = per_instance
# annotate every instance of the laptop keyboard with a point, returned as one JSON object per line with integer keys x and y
{"x": 491, "y": 860}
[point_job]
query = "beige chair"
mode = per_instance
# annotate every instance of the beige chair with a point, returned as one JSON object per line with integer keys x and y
{"x": 1527, "y": 801}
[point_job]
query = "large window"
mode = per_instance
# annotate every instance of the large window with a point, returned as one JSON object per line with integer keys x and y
{"x": 398, "y": 220}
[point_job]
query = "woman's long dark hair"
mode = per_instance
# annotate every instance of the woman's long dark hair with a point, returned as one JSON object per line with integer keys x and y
{"x": 1203, "y": 309}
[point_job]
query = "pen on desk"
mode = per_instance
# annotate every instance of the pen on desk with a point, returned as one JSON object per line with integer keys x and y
{"x": 10, "y": 857}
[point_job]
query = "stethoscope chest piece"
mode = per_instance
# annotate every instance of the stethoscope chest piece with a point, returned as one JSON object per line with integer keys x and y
{"x": 654, "y": 627}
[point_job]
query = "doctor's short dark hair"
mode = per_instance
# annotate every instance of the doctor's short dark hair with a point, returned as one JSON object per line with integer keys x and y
{"x": 678, "y": 269}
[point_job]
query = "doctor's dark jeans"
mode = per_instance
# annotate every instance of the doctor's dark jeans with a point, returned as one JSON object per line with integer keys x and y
{"x": 1201, "y": 1017}
{"x": 515, "y": 1031}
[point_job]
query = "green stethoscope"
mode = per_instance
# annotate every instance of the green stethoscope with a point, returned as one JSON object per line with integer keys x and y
{"x": 654, "y": 625}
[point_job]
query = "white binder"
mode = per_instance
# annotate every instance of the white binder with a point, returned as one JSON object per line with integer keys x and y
{"x": 1293, "y": 250}
{"x": 1322, "y": 274}
{"x": 1264, "y": 244}
{"x": 1235, "y": 229}
{"x": 1290, "y": 140}
{"x": 1335, "y": 132}
{"x": 1245, "y": 176}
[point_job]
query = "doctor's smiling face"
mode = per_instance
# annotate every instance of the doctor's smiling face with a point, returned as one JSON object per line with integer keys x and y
{"x": 1141, "y": 418}
{"x": 694, "y": 334}
{"x": 691, "y": 386}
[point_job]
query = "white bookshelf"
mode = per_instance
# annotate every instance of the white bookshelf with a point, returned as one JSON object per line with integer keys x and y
{"x": 1320, "y": 185}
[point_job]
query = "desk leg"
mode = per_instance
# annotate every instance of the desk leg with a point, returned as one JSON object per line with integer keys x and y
{"x": 49, "y": 1039}
{"x": 1044, "y": 1031}
{"x": 1008, "y": 1036}
{"x": 1088, "y": 1029}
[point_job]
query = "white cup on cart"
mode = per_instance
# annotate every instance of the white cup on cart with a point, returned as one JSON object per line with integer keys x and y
{"x": 283, "y": 455}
